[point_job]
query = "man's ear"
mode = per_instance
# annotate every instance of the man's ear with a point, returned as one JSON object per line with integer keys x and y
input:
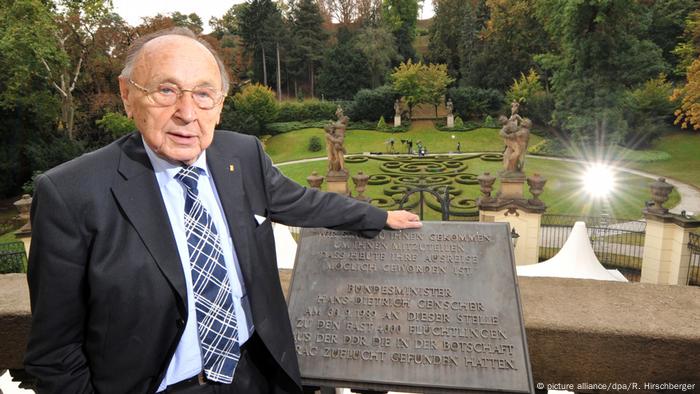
{"x": 124, "y": 93}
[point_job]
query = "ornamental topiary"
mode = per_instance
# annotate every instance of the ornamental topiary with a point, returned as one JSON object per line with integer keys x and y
{"x": 315, "y": 144}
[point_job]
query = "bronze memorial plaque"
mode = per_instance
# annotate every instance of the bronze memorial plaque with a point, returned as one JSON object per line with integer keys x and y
{"x": 429, "y": 310}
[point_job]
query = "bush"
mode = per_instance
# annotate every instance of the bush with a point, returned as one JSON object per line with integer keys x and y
{"x": 285, "y": 127}
{"x": 252, "y": 108}
{"x": 116, "y": 124}
{"x": 343, "y": 72}
{"x": 475, "y": 103}
{"x": 648, "y": 112}
{"x": 381, "y": 125}
{"x": 549, "y": 147}
{"x": 49, "y": 151}
{"x": 14, "y": 264}
{"x": 465, "y": 126}
{"x": 28, "y": 187}
{"x": 539, "y": 108}
{"x": 315, "y": 144}
{"x": 524, "y": 88}
{"x": 371, "y": 104}
{"x": 290, "y": 111}
{"x": 459, "y": 123}
{"x": 238, "y": 121}
{"x": 490, "y": 122}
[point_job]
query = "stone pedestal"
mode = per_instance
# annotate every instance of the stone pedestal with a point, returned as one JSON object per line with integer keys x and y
{"x": 666, "y": 255}
{"x": 450, "y": 121}
{"x": 526, "y": 224}
{"x": 524, "y": 215}
{"x": 337, "y": 182}
{"x": 511, "y": 186}
{"x": 397, "y": 120}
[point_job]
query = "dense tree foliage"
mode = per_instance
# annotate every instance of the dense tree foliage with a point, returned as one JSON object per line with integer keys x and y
{"x": 420, "y": 83}
{"x": 259, "y": 23}
{"x": 453, "y": 35}
{"x": 378, "y": 46}
{"x": 647, "y": 109}
{"x": 400, "y": 17}
{"x": 601, "y": 51}
{"x": 586, "y": 70}
{"x": 344, "y": 69}
{"x": 668, "y": 19}
{"x": 308, "y": 42}
{"x": 688, "y": 115}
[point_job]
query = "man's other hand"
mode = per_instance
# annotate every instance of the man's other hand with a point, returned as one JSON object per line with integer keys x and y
{"x": 399, "y": 220}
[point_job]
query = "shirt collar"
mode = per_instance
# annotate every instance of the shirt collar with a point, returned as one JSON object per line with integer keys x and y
{"x": 161, "y": 165}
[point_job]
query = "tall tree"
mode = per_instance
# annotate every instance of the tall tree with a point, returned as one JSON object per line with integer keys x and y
{"x": 28, "y": 105}
{"x": 400, "y": 17}
{"x": 469, "y": 26}
{"x": 344, "y": 12}
{"x": 344, "y": 69}
{"x": 379, "y": 48}
{"x": 369, "y": 12}
{"x": 420, "y": 83}
{"x": 225, "y": 30}
{"x": 191, "y": 21}
{"x": 689, "y": 48}
{"x": 259, "y": 25}
{"x": 688, "y": 115}
{"x": 668, "y": 19}
{"x": 509, "y": 36}
{"x": 309, "y": 40}
{"x": 444, "y": 33}
{"x": 78, "y": 23}
{"x": 601, "y": 51}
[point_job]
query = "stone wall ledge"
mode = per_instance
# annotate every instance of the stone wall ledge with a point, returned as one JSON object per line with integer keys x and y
{"x": 578, "y": 331}
{"x": 588, "y": 331}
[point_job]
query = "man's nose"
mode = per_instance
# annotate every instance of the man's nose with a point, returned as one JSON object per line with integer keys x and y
{"x": 186, "y": 108}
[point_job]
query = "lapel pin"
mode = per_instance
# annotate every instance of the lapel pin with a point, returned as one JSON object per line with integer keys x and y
{"x": 231, "y": 168}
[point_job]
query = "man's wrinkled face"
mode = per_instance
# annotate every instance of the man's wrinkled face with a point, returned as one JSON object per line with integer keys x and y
{"x": 179, "y": 132}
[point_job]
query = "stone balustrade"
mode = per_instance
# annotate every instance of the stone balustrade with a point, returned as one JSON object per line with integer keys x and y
{"x": 578, "y": 331}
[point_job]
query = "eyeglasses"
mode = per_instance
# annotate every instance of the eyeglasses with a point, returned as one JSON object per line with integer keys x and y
{"x": 167, "y": 94}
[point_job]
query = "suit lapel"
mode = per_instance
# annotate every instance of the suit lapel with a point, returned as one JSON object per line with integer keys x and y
{"x": 139, "y": 196}
{"x": 228, "y": 176}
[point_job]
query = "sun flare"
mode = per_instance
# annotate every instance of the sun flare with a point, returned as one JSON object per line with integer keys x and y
{"x": 599, "y": 180}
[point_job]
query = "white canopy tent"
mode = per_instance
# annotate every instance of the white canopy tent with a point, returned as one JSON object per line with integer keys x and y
{"x": 576, "y": 259}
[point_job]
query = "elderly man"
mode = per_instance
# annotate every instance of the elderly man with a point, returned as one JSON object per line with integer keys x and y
{"x": 152, "y": 266}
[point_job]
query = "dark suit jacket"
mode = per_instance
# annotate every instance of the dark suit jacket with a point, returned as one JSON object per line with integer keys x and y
{"x": 106, "y": 283}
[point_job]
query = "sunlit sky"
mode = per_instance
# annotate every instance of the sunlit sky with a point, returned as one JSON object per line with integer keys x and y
{"x": 132, "y": 11}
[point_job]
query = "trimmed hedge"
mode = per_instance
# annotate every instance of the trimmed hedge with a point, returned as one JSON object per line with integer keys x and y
{"x": 372, "y": 104}
{"x": 475, "y": 103}
{"x": 290, "y": 111}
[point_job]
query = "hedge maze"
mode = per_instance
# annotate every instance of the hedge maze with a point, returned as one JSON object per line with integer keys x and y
{"x": 422, "y": 177}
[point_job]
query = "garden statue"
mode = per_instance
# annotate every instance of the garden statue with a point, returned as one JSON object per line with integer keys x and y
{"x": 397, "y": 113}
{"x": 335, "y": 137}
{"x": 449, "y": 107}
{"x": 516, "y": 134}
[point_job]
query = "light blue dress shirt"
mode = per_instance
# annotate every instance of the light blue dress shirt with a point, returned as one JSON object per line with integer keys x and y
{"x": 187, "y": 360}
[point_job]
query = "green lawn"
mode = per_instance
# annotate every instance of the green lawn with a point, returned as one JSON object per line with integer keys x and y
{"x": 294, "y": 145}
{"x": 563, "y": 192}
{"x": 684, "y": 165}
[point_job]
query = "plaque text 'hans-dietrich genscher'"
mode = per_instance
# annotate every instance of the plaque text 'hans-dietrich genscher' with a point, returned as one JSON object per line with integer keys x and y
{"x": 406, "y": 299}
{"x": 354, "y": 323}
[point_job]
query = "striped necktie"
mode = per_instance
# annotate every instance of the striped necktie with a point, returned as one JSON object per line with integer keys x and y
{"x": 216, "y": 318}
